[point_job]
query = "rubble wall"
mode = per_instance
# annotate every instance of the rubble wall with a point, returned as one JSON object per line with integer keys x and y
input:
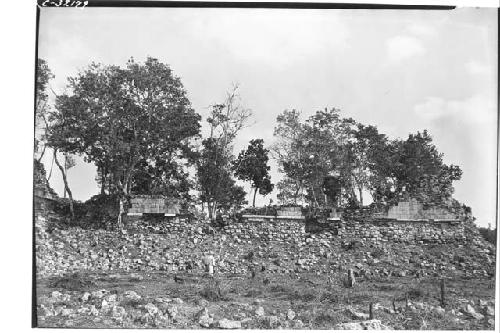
{"x": 410, "y": 232}
{"x": 282, "y": 245}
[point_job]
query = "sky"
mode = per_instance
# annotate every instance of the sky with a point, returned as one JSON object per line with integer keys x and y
{"x": 402, "y": 71}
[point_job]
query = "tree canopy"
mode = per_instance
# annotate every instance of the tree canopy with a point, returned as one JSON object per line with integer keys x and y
{"x": 251, "y": 165}
{"x": 329, "y": 159}
{"x": 127, "y": 120}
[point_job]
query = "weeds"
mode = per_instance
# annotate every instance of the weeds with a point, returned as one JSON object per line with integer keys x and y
{"x": 73, "y": 282}
{"x": 280, "y": 288}
{"x": 415, "y": 293}
{"x": 214, "y": 291}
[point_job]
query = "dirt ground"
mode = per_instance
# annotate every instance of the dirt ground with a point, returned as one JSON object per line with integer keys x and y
{"x": 298, "y": 301}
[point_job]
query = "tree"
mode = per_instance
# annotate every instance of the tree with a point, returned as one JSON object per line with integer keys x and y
{"x": 126, "y": 119}
{"x": 43, "y": 76}
{"x": 373, "y": 159}
{"x": 63, "y": 170}
{"x": 42, "y": 126}
{"x": 420, "y": 172}
{"x": 217, "y": 187}
{"x": 291, "y": 154}
{"x": 214, "y": 166}
{"x": 251, "y": 165}
{"x": 309, "y": 152}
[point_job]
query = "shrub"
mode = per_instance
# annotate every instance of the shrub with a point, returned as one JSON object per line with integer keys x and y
{"x": 214, "y": 291}
{"x": 61, "y": 207}
{"x": 102, "y": 209}
{"x": 280, "y": 288}
{"x": 415, "y": 293}
{"x": 72, "y": 282}
{"x": 489, "y": 235}
{"x": 378, "y": 253}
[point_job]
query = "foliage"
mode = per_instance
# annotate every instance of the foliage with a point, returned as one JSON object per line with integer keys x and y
{"x": 216, "y": 290}
{"x": 101, "y": 210}
{"x": 43, "y": 76}
{"x": 75, "y": 282}
{"x": 333, "y": 160}
{"x": 216, "y": 185}
{"x": 132, "y": 123}
{"x": 489, "y": 234}
{"x": 420, "y": 172}
{"x": 63, "y": 208}
{"x": 251, "y": 165}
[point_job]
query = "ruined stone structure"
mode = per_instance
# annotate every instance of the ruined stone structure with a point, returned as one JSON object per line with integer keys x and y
{"x": 149, "y": 204}
{"x": 412, "y": 210}
{"x": 281, "y": 243}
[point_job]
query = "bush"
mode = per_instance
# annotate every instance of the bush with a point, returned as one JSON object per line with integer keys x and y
{"x": 72, "y": 282}
{"x": 102, "y": 209}
{"x": 280, "y": 288}
{"x": 378, "y": 253}
{"x": 489, "y": 235}
{"x": 415, "y": 293}
{"x": 214, "y": 291}
{"x": 61, "y": 207}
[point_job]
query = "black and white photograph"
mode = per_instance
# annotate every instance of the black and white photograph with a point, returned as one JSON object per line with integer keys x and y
{"x": 299, "y": 166}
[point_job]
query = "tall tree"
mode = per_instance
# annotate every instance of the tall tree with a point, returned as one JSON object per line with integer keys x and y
{"x": 420, "y": 172}
{"x": 309, "y": 152}
{"x": 290, "y": 152}
{"x": 215, "y": 177}
{"x": 121, "y": 117}
{"x": 217, "y": 186}
{"x": 43, "y": 76}
{"x": 251, "y": 165}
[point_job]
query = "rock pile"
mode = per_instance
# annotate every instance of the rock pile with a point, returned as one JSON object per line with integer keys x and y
{"x": 278, "y": 247}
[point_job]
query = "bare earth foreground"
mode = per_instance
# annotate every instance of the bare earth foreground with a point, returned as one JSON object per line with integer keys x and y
{"x": 163, "y": 300}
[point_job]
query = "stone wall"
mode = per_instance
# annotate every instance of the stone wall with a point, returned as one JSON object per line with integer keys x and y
{"x": 269, "y": 230}
{"x": 148, "y": 204}
{"x": 411, "y": 232}
{"x": 280, "y": 243}
{"x": 414, "y": 210}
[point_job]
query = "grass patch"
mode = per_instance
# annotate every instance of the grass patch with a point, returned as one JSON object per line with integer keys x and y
{"x": 74, "y": 282}
{"x": 328, "y": 319}
{"x": 215, "y": 291}
{"x": 279, "y": 288}
{"x": 415, "y": 293}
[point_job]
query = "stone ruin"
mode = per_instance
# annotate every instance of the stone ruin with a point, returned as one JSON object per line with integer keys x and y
{"x": 412, "y": 210}
{"x": 281, "y": 242}
{"x": 153, "y": 204}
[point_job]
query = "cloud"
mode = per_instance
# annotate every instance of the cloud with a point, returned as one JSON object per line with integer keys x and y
{"x": 465, "y": 132}
{"x": 477, "y": 109}
{"x": 476, "y": 68}
{"x": 421, "y": 29}
{"x": 279, "y": 38}
{"x": 403, "y": 47}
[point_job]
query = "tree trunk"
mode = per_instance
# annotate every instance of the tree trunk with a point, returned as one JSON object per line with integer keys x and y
{"x": 43, "y": 153}
{"x": 103, "y": 181}
{"x": 296, "y": 193}
{"x": 51, "y": 166}
{"x": 254, "y": 195}
{"x": 212, "y": 207}
{"x": 315, "y": 201}
{"x": 66, "y": 186}
{"x": 65, "y": 172}
{"x": 120, "y": 214}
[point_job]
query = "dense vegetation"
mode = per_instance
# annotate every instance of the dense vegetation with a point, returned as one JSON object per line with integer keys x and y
{"x": 137, "y": 126}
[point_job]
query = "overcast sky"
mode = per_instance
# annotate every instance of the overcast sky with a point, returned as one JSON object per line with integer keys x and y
{"x": 402, "y": 71}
